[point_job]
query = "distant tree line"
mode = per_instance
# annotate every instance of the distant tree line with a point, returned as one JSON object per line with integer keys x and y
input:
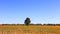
{"x": 33, "y": 24}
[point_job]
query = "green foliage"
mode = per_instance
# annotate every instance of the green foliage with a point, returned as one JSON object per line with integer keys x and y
{"x": 27, "y": 21}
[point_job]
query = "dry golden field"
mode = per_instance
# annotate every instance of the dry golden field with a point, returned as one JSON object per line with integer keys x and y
{"x": 31, "y": 29}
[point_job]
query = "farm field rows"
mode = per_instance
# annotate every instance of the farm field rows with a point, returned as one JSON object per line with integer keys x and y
{"x": 31, "y": 29}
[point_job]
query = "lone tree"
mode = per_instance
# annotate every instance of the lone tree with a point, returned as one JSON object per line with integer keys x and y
{"x": 27, "y": 21}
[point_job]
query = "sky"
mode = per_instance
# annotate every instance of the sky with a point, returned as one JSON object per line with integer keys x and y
{"x": 39, "y": 11}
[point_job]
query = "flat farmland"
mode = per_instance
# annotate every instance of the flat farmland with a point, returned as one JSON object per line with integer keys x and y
{"x": 31, "y": 29}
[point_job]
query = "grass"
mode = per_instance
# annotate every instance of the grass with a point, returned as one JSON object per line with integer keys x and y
{"x": 31, "y": 29}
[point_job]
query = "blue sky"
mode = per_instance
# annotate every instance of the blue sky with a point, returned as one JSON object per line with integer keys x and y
{"x": 39, "y": 11}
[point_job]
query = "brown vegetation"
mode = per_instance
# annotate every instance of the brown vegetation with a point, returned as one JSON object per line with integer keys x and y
{"x": 31, "y": 29}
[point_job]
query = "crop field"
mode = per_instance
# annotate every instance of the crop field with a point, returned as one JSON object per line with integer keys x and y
{"x": 31, "y": 29}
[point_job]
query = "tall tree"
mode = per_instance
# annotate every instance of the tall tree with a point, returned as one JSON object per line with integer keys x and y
{"x": 27, "y": 21}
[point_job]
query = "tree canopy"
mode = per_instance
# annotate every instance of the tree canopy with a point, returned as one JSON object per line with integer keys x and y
{"x": 27, "y": 21}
